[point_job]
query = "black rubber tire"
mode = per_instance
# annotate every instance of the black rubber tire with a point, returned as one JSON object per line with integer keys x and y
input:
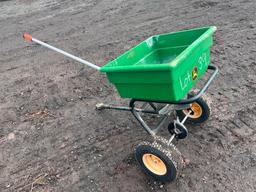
{"x": 206, "y": 111}
{"x": 157, "y": 150}
{"x": 204, "y": 116}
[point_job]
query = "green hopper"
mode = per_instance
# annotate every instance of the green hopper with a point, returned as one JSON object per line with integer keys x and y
{"x": 163, "y": 67}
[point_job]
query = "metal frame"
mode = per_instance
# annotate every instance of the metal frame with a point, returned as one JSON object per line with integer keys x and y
{"x": 164, "y": 111}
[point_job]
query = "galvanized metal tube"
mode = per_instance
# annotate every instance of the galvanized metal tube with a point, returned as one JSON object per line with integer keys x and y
{"x": 66, "y": 54}
{"x": 30, "y": 38}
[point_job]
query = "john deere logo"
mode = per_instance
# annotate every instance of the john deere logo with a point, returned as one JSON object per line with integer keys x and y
{"x": 194, "y": 73}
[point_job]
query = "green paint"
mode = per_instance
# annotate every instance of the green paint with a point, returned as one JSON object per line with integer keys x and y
{"x": 160, "y": 68}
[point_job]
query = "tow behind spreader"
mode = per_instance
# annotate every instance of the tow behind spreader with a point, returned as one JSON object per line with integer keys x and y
{"x": 158, "y": 75}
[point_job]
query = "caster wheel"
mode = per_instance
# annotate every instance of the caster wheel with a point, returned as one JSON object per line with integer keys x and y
{"x": 200, "y": 112}
{"x": 181, "y": 131}
{"x": 157, "y": 162}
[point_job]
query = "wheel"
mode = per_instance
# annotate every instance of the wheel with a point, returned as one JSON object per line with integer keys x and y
{"x": 200, "y": 112}
{"x": 180, "y": 131}
{"x": 158, "y": 162}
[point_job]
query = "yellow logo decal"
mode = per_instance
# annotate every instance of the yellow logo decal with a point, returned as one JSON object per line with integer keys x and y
{"x": 194, "y": 73}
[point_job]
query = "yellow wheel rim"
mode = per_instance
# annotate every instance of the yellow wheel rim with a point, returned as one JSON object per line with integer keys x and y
{"x": 197, "y": 111}
{"x": 154, "y": 164}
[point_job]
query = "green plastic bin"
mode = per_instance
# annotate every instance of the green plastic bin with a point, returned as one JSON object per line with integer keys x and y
{"x": 163, "y": 67}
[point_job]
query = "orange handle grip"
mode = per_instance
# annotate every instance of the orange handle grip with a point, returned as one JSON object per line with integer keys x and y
{"x": 27, "y": 37}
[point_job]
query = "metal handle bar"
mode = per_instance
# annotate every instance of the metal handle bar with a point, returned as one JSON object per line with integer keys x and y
{"x": 205, "y": 87}
{"x": 28, "y": 37}
{"x": 189, "y": 100}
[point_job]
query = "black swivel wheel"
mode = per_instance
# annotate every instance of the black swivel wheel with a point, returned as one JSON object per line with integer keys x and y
{"x": 178, "y": 129}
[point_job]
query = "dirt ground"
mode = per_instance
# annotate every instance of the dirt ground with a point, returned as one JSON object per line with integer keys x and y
{"x": 53, "y": 139}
